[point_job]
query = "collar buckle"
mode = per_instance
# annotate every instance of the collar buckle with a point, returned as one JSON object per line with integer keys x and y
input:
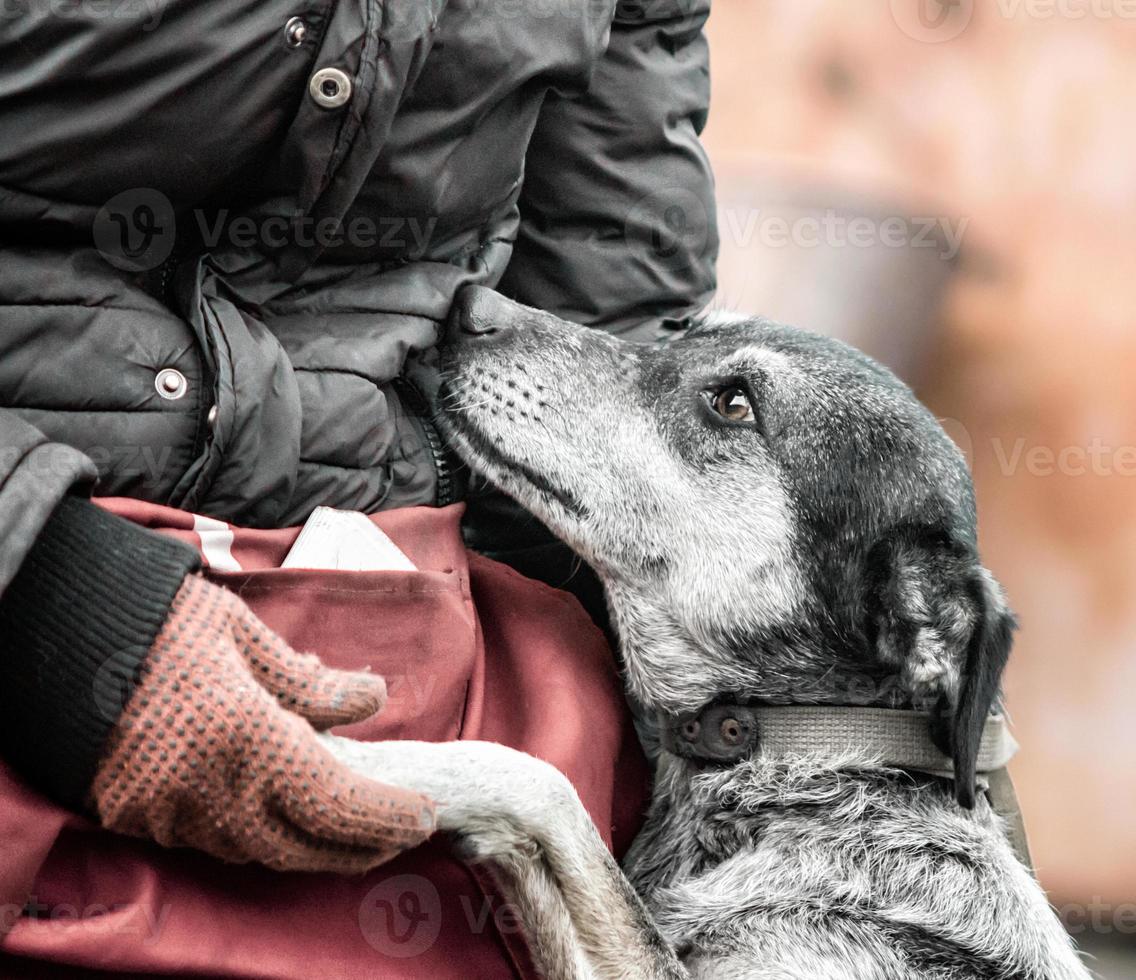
{"x": 717, "y": 733}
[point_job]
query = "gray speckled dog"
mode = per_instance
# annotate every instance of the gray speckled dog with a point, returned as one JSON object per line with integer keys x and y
{"x": 776, "y": 520}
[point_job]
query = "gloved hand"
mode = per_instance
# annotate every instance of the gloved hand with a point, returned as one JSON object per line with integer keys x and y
{"x": 216, "y": 749}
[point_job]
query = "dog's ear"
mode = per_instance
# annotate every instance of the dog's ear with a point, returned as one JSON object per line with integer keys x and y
{"x": 937, "y": 616}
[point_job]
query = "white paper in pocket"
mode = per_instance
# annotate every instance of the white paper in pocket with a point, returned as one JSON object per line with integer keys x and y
{"x": 345, "y": 540}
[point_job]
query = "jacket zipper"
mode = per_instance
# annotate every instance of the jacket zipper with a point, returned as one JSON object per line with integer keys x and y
{"x": 416, "y": 401}
{"x": 166, "y": 280}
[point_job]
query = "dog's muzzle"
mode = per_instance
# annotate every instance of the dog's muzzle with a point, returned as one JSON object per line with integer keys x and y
{"x": 717, "y": 733}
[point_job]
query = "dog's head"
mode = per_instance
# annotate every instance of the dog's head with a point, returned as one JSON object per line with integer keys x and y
{"x": 773, "y": 514}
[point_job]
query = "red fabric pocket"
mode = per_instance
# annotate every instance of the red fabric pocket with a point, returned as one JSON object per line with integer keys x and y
{"x": 470, "y": 650}
{"x": 417, "y": 629}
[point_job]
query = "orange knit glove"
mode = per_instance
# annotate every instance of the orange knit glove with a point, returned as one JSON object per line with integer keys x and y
{"x": 214, "y": 749}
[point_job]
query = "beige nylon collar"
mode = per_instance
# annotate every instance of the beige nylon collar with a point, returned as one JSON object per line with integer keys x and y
{"x": 899, "y": 739}
{"x": 722, "y": 733}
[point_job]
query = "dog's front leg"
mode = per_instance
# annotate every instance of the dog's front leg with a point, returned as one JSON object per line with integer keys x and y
{"x": 522, "y": 814}
{"x": 527, "y": 883}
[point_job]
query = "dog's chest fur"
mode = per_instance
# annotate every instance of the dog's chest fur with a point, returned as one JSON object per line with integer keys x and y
{"x": 838, "y": 868}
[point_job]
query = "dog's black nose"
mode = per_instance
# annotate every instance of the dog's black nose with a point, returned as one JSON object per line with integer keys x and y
{"x": 480, "y": 313}
{"x": 474, "y": 311}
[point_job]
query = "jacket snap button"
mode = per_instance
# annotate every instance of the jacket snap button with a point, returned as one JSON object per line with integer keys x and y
{"x": 211, "y": 418}
{"x": 170, "y": 383}
{"x": 330, "y": 88}
{"x": 295, "y": 31}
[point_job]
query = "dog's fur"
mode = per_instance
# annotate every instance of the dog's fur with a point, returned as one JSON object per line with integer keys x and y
{"x": 822, "y": 551}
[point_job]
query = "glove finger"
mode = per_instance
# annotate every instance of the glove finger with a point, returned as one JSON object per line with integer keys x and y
{"x": 326, "y": 801}
{"x": 302, "y": 683}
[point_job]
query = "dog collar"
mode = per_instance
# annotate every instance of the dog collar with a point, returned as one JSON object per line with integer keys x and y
{"x": 724, "y": 732}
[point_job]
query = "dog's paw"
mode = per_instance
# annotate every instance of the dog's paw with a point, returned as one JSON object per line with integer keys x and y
{"x": 477, "y": 786}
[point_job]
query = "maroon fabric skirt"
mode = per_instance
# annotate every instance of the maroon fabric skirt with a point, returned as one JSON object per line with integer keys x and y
{"x": 470, "y": 650}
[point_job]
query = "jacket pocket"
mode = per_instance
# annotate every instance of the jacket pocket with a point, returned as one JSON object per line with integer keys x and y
{"x": 416, "y": 629}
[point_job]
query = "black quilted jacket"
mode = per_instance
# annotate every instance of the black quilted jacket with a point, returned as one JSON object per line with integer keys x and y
{"x": 230, "y": 230}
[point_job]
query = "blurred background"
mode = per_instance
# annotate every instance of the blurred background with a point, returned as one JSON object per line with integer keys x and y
{"x": 951, "y": 185}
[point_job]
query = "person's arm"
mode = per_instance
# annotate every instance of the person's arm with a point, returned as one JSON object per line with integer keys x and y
{"x": 79, "y": 589}
{"x": 137, "y": 692}
{"x": 77, "y": 617}
{"x": 618, "y": 224}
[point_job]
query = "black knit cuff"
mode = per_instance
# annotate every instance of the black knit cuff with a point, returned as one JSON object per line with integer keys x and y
{"x": 76, "y": 622}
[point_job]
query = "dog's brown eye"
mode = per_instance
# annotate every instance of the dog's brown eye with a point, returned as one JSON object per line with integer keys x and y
{"x": 733, "y": 404}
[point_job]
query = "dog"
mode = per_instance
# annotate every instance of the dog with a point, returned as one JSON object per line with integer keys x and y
{"x": 777, "y": 521}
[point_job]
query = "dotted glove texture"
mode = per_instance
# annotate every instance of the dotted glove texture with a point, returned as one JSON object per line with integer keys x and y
{"x": 216, "y": 749}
